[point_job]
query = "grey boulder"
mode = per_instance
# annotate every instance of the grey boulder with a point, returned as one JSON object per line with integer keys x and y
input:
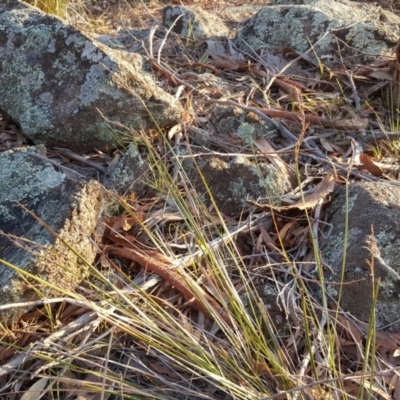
{"x": 66, "y": 90}
{"x": 367, "y": 254}
{"x": 337, "y": 30}
{"x": 48, "y": 250}
{"x": 193, "y": 22}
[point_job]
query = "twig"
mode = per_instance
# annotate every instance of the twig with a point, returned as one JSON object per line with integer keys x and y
{"x": 81, "y": 159}
{"x": 173, "y": 277}
{"x": 56, "y": 164}
{"x": 356, "y": 375}
{"x": 23, "y": 357}
{"x": 165, "y": 38}
{"x": 31, "y": 304}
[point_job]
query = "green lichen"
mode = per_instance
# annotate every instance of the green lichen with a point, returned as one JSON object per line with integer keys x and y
{"x": 270, "y": 291}
{"x": 385, "y": 237}
{"x": 301, "y": 26}
{"x": 247, "y": 133}
{"x": 350, "y": 203}
{"x": 57, "y": 81}
{"x": 238, "y": 190}
{"x": 24, "y": 179}
{"x": 331, "y": 291}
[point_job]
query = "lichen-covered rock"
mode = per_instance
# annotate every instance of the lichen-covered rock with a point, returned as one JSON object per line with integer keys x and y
{"x": 240, "y": 13}
{"x": 372, "y": 251}
{"x": 245, "y": 125}
{"x": 265, "y": 299}
{"x": 27, "y": 248}
{"x": 129, "y": 175}
{"x": 61, "y": 87}
{"x": 361, "y": 31}
{"x": 194, "y": 22}
{"x": 233, "y": 182}
{"x": 207, "y": 84}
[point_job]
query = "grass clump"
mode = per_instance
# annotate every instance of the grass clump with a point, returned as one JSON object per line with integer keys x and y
{"x": 186, "y": 302}
{"x": 54, "y": 7}
{"x": 218, "y": 325}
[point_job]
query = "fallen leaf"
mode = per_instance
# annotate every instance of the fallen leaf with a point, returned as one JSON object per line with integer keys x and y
{"x": 36, "y": 390}
{"x": 263, "y": 145}
{"x": 217, "y": 49}
{"x": 355, "y": 123}
{"x": 325, "y": 187}
{"x": 163, "y": 370}
{"x": 387, "y": 341}
{"x": 372, "y": 388}
{"x": 369, "y": 165}
{"x": 292, "y": 88}
{"x": 284, "y": 231}
{"x": 381, "y": 75}
{"x": 326, "y": 145}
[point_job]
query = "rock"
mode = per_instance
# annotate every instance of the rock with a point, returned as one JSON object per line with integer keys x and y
{"x": 110, "y": 41}
{"x": 240, "y": 13}
{"x": 231, "y": 183}
{"x": 373, "y": 247}
{"x": 194, "y": 22}
{"x": 71, "y": 209}
{"x": 61, "y": 87}
{"x": 128, "y": 176}
{"x": 265, "y": 301}
{"x": 207, "y": 83}
{"x": 199, "y": 136}
{"x": 245, "y": 125}
{"x": 361, "y": 31}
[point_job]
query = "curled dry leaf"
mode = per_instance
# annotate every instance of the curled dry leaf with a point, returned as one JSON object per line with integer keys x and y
{"x": 237, "y": 65}
{"x": 322, "y": 190}
{"x": 174, "y": 131}
{"x": 369, "y": 165}
{"x": 291, "y": 88}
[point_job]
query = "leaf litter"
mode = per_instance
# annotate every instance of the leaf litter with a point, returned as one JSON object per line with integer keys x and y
{"x": 159, "y": 280}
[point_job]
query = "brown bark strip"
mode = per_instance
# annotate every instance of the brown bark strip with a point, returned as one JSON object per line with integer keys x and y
{"x": 163, "y": 71}
{"x": 148, "y": 260}
{"x": 356, "y": 123}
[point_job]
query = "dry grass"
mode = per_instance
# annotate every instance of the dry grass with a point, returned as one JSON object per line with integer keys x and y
{"x": 234, "y": 315}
